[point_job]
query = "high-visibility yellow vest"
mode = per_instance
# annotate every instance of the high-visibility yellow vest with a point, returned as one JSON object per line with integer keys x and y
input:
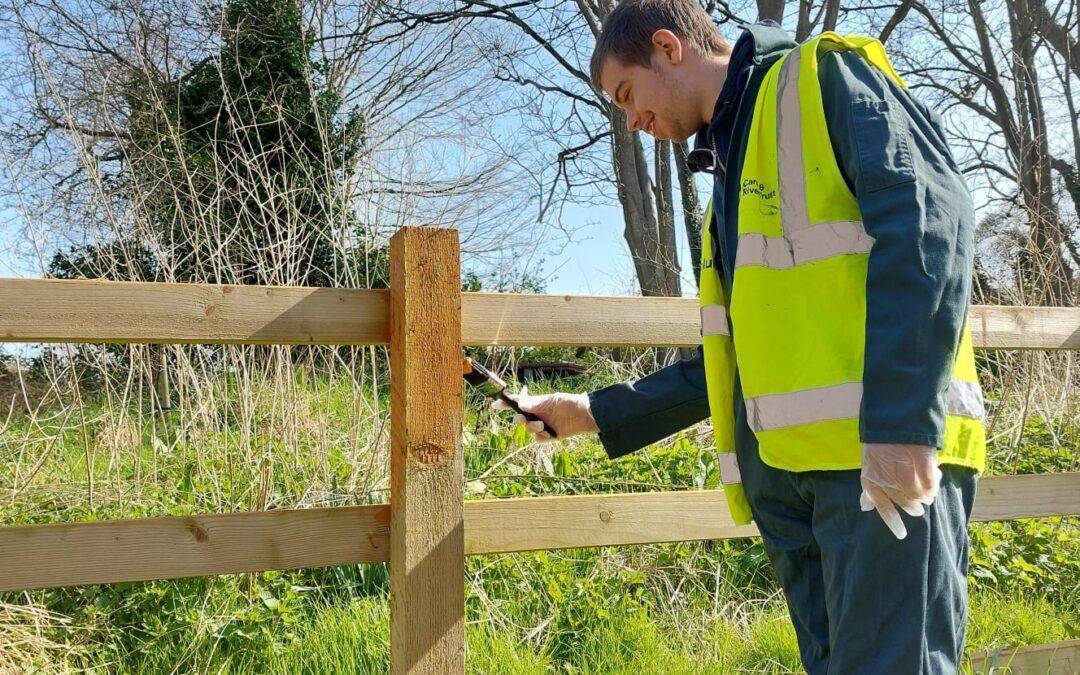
{"x": 798, "y": 306}
{"x": 720, "y": 374}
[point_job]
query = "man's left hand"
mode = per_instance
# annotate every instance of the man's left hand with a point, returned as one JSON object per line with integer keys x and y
{"x": 898, "y": 474}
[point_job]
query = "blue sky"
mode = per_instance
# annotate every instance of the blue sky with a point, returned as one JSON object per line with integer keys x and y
{"x": 9, "y": 266}
{"x": 599, "y": 262}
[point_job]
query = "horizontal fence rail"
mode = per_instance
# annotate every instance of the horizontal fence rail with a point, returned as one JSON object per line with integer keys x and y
{"x": 48, "y": 310}
{"x": 51, "y": 310}
{"x": 69, "y": 554}
{"x": 1056, "y": 658}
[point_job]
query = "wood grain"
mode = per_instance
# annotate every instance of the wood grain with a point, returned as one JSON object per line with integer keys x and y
{"x": 427, "y": 534}
{"x": 1011, "y": 497}
{"x": 36, "y": 310}
{"x": 72, "y": 554}
{"x": 500, "y": 526}
{"x": 1003, "y": 327}
{"x": 508, "y": 525}
{"x": 49, "y": 310}
{"x": 38, "y": 556}
{"x": 1055, "y": 658}
{"x": 518, "y": 319}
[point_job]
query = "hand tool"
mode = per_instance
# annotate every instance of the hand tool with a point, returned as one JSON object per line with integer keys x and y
{"x": 493, "y": 386}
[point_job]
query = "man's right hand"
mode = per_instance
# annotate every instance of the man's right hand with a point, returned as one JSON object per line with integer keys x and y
{"x": 567, "y": 414}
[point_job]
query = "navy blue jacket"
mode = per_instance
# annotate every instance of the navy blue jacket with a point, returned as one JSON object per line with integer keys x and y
{"x": 914, "y": 202}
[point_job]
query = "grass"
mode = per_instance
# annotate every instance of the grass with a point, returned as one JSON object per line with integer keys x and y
{"x": 349, "y": 638}
{"x": 998, "y": 620}
{"x": 710, "y": 607}
{"x": 353, "y": 637}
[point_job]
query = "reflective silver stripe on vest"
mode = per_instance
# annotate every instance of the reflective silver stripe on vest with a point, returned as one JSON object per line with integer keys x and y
{"x": 714, "y": 320}
{"x": 729, "y": 469}
{"x": 966, "y": 400}
{"x": 803, "y": 241}
{"x": 776, "y": 411}
{"x": 822, "y": 241}
{"x": 842, "y": 401}
{"x": 789, "y": 150}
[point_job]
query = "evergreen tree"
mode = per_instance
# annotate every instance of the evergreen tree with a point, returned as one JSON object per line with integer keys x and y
{"x": 243, "y": 159}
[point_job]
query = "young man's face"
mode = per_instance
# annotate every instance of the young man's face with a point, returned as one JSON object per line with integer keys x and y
{"x": 656, "y": 99}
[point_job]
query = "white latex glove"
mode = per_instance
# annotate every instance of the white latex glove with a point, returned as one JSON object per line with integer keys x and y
{"x": 897, "y": 474}
{"x": 567, "y": 414}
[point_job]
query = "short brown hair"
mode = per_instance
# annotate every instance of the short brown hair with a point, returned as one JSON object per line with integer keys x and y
{"x": 627, "y": 32}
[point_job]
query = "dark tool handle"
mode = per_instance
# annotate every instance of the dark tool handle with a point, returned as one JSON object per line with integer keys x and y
{"x": 528, "y": 415}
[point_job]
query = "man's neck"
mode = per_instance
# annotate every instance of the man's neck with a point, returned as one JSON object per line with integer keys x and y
{"x": 714, "y": 74}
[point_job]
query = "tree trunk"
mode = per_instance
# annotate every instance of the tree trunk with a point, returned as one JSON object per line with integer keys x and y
{"x": 803, "y": 25}
{"x": 1055, "y": 34}
{"x": 1071, "y": 175}
{"x": 1022, "y": 120}
{"x": 641, "y": 228}
{"x": 665, "y": 211}
{"x": 832, "y": 13}
{"x": 771, "y": 9}
{"x": 1045, "y": 264}
{"x": 691, "y": 208}
{"x": 665, "y": 208}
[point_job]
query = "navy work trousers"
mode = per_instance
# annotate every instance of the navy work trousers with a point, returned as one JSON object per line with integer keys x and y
{"x": 861, "y": 600}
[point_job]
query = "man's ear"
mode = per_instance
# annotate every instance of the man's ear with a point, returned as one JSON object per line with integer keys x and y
{"x": 668, "y": 46}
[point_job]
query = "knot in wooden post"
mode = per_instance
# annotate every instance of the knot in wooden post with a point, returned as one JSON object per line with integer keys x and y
{"x": 429, "y": 453}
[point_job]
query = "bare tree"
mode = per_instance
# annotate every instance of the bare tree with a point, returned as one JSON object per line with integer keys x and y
{"x": 1005, "y": 71}
{"x": 989, "y": 67}
{"x": 77, "y": 74}
{"x": 1062, "y": 34}
{"x": 544, "y": 49}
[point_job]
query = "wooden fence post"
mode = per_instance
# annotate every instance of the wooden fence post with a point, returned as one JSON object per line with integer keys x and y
{"x": 427, "y": 543}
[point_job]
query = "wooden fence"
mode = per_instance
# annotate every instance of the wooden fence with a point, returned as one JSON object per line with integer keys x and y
{"x": 427, "y": 529}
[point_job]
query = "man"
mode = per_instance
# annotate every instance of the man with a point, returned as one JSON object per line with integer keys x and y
{"x": 841, "y": 370}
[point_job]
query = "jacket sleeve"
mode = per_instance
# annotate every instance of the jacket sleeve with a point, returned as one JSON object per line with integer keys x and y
{"x": 914, "y": 203}
{"x": 633, "y": 414}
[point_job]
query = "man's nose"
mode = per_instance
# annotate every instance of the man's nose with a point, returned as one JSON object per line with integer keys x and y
{"x": 633, "y": 121}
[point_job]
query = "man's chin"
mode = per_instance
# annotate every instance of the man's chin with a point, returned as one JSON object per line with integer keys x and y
{"x": 684, "y": 136}
{"x": 668, "y": 135}
{"x": 674, "y": 137}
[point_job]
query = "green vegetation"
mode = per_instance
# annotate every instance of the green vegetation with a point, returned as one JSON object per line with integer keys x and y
{"x": 676, "y": 608}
